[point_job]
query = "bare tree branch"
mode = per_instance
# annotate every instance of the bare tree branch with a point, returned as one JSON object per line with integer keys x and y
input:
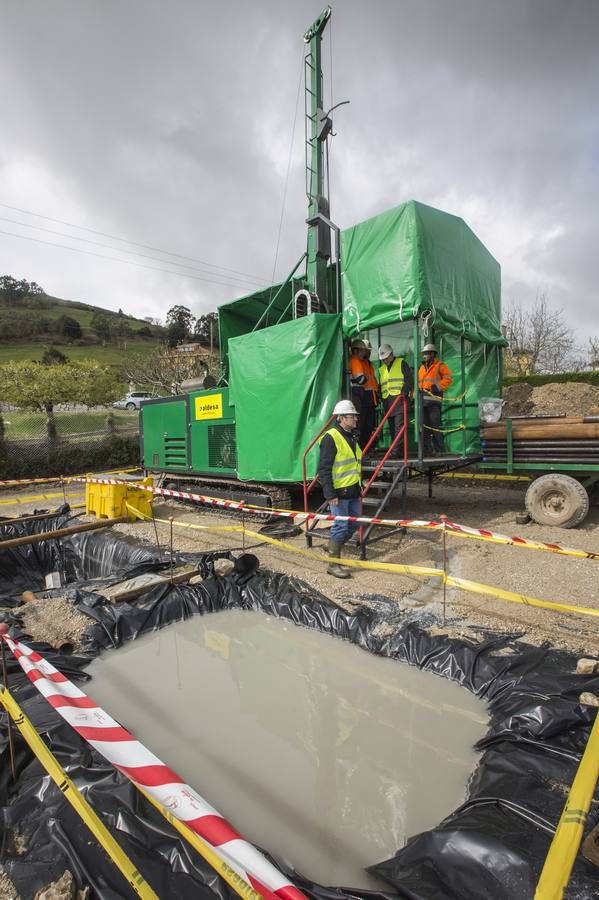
{"x": 541, "y": 341}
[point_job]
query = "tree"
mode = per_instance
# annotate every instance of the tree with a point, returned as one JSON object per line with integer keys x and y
{"x": 179, "y": 322}
{"x": 206, "y": 329}
{"x": 68, "y": 327}
{"x": 594, "y": 353}
{"x": 163, "y": 371}
{"x": 144, "y": 332}
{"x": 540, "y": 339}
{"x": 32, "y": 385}
{"x": 101, "y": 325}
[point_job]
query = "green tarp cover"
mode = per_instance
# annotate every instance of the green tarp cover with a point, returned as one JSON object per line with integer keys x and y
{"x": 415, "y": 258}
{"x": 284, "y": 383}
{"x": 242, "y": 315}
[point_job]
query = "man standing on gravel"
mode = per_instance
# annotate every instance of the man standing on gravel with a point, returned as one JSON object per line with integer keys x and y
{"x": 340, "y": 475}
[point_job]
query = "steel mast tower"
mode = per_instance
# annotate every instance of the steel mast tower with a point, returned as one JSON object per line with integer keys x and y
{"x": 318, "y": 127}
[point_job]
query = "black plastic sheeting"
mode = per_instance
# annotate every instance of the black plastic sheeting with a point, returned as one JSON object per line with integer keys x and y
{"x": 492, "y": 846}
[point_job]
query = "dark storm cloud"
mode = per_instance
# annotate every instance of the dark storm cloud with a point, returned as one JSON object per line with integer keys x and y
{"x": 170, "y": 124}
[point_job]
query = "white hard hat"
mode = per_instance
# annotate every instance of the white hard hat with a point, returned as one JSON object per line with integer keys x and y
{"x": 429, "y": 348}
{"x": 385, "y": 350}
{"x": 358, "y": 344}
{"x": 345, "y": 408}
{"x": 367, "y": 344}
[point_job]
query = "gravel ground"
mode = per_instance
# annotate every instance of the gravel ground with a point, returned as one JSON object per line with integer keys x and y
{"x": 479, "y": 504}
{"x": 7, "y": 888}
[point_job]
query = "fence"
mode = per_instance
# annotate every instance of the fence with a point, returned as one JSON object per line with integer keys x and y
{"x": 70, "y": 439}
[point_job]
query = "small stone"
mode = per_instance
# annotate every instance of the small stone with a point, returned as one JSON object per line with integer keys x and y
{"x": 587, "y": 666}
{"x": 223, "y": 566}
{"x": 63, "y": 889}
{"x": 588, "y": 699}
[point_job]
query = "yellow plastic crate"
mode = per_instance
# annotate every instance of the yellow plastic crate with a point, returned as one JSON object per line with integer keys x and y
{"x": 109, "y": 501}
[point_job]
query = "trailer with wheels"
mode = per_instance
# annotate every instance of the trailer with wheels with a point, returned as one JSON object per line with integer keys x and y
{"x": 560, "y": 453}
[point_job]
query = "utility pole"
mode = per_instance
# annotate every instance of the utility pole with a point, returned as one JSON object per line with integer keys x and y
{"x": 318, "y": 128}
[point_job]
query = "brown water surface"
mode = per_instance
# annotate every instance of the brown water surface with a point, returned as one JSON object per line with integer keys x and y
{"x": 322, "y": 753}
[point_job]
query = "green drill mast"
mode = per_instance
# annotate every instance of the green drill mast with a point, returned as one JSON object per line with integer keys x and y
{"x": 318, "y": 128}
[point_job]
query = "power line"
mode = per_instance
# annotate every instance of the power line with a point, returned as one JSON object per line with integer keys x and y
{"x": 126, "y": 262}
{"x": 114, "y": 237}
{"x": 234, "y": 280}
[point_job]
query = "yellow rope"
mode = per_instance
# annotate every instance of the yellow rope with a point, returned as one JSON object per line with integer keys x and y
{"x": 422, "y": 571}
{"x": 566, "y": 841}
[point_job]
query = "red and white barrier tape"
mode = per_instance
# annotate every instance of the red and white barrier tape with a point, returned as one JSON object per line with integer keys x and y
{"x": 130, "y": 757}
{"x": 14, "y": 482}
{"x": 451, "y": 527}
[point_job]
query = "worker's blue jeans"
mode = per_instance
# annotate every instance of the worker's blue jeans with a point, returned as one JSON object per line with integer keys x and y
{"x": 341, "y": 531}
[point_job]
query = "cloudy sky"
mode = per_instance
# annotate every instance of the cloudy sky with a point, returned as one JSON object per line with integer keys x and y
{"x": 169, "y": 125}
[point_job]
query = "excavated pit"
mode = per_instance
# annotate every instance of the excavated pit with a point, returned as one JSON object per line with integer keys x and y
{"x": 326, "y": 755}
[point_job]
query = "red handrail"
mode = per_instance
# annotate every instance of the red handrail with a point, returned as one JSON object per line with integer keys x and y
{"x": 308, "y": 487}
{"x": 403, "y": 432}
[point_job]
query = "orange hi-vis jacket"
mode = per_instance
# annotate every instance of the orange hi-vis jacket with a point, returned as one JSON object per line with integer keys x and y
{"x": 364, "y": 367}
{"x": 436, "y": 374}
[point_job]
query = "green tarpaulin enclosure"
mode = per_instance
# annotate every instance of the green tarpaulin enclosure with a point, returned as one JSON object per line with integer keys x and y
{"x": 415, "y": 258}
{"x": 284, "y": 382}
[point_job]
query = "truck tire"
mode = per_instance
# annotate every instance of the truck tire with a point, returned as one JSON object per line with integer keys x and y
{"x": 557, "y": 500}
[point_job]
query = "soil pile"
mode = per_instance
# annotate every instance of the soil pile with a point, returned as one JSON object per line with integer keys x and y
{"x": 518, "y": 400}
{"x": 54, "y": 620}
{"x": 573, "y": 398}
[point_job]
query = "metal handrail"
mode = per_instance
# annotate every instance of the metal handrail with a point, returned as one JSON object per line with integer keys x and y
{"x": 402, "y": 433}
{"x": 308, "y": 487}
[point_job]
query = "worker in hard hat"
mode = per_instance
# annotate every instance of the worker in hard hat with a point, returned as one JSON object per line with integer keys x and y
{"x": 340, "y": 475}
{"x": 396, "y": 378}
{"x": 433, "y": 380}
{"x": 357, "y": 374}
{"x": 371, "y": 397}
{"x": 364, "y": 387}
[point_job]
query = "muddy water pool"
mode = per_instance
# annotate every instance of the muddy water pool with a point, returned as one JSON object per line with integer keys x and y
{"x": 314, "y": 749}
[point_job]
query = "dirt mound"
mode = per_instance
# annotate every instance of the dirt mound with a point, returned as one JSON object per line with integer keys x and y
{"x": 518, "y": 400}
{"x": 573, "y": 398}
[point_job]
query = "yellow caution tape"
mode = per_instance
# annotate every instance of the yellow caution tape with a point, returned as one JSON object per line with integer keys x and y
{"x": 239, "y": 885}
{"x": 33, "y": 498}
{"x": 476, "y": 588}
{"x": 566, "y": 841}
{"x": 425, "y": 571}
{"x": 75, "y": 798}
{"x": 484, "y": 477}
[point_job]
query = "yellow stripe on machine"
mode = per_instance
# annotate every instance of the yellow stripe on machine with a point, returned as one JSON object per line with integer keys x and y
{"x": 118, "y": 856}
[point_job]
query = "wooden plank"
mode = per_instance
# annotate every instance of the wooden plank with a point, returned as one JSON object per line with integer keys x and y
{"x": 59, "y": 533}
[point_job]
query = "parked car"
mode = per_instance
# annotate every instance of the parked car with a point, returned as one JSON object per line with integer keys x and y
{"x": 132, "y": 400}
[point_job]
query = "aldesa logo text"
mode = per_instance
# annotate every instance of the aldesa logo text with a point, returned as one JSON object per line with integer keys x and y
{"x": 209, "y": 406}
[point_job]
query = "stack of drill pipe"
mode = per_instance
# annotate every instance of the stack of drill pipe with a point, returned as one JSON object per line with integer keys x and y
{"x": 549, "y": 439}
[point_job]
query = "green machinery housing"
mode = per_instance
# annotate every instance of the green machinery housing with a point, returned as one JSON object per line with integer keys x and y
{"x": 410, "y": 275}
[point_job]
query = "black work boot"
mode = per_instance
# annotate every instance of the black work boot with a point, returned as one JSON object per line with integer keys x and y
{"x": 334, "y": 549}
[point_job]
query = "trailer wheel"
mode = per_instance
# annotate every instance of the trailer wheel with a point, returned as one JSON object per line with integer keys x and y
{"x": 557, "y": 500}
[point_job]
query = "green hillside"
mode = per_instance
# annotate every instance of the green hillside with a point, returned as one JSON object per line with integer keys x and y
{"x": 31, "y": 320}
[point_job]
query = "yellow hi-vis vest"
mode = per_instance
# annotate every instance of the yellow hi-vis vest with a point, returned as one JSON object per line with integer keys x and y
{"x": 391, "y": 380}
{"x": 347, "y": 468}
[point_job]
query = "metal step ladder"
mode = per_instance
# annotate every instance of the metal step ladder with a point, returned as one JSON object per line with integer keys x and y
{"x": 384, "y": 490}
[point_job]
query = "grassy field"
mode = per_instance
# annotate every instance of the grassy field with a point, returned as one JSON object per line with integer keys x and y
{"x": 20, "y": 424}
{"x": 108, "y": 356}
{"x": 54, "y": 307}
